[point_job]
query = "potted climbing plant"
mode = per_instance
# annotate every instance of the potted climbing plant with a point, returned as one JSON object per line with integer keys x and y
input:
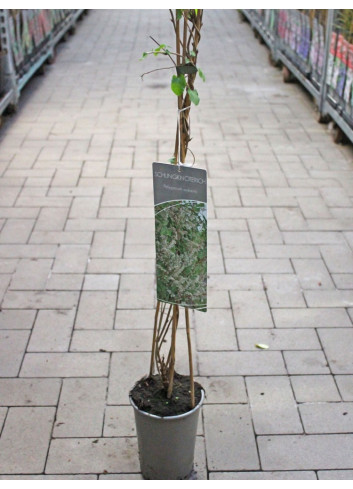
{"x": 166, "y": 403}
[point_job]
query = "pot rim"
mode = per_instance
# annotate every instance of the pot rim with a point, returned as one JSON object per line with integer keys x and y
{"x": 178, "y": 416}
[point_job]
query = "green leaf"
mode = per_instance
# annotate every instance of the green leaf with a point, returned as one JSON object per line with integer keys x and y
{"x": 157, "y": 50}
{"x": 172, "y": 160}
{"x": 194, "y": 96}
{"x": 201, "y": 75}
{"x": 192, "y": 53}
{"x": 262, "y": 346}
{"x": 178, "y": 84}
{"x": 179, "y": 13}
{"x": 144, "y": 55}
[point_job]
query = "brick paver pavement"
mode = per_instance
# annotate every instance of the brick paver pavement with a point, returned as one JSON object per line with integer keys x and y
{"x": 77, "y": 261}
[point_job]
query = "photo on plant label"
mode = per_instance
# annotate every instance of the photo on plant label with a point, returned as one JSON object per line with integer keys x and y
{"x": 181, "y": 250}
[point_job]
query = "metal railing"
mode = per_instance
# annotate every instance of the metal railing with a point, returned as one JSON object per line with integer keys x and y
{"x": 316, "y": 47}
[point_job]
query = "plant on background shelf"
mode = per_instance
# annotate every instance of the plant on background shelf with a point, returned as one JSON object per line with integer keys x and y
{"x": 166, "y": 394}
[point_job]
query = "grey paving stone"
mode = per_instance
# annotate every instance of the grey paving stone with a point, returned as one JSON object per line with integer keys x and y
{"x": 125, "y": 370}
{"x": 200, "y": 463}
{"x": 313, "y": 207}
{"x": 230, "y": 281}
{"x": 111, "y": 340}
{"x": 31, "y": 274}
{"x": 119, "y": 421}
{"x": 71, "y": 259}
{"x": 139, "y": 231}
{"x": 273, "y": 407}
{"x": 96, "y": 310}
{"x": 306, "y": 452}
{"x": 223, "y": 390}
{"x": 215, "y": 263}
{"x": 136, "y": 291}
{"x": 65, "y": 365}
{"x": 101, "y": 282}
{"x": 335, "y": 474}
{"x": 29, "y": 392}
{"x": 241, "y": 363}
{"x": 225, "y": 196}
{"x": 337, "y": 344}
{"x": 144, "y": 251}
{"x": 257, "y": 265}
{"x": 8, "y": 266}
{"x": 91, "y": 224}
{"x": 124, "y": 476}
{"x": 306, "y": 362}
{"x": 122, "y": 265}
{"x": 286, "y": 251}
{"x": 40, "y": 300}
{"x": 283, "y": 291}
{"x": 215, "y": 330}
{"x": 27, "y": 251}
{"x": 107, "y": 244}
{"x": 84, "y": 207}
{"x": 25, "y": 440}
{"x": 229, "y": 449}
{"x": 92, "y": 455}
{"x": 236, "y": 244}
{"x": 20, "y": 319}
{"x": 253, "y": 475}
{"x": 3, "y": 412}
{"x": 343, "y": 280}
{"x": 81, "y": 407}
{"x": 315, "y": 388}
{"x": 61, "y": 237}
{"x": 327, "y": 417}
{"x": 12, "y": 348}
{"x": 52, "y": 331}
{"x": 313, "y": 237}
{"x": 227, "y": 217}
{"x": 245, "y": 314}
{"x": 339, "y": 259}
{"x": 329, "y": 298}
{"x": 312, "y": 274}
{"x": 290, "y": 219}
{"x": 311, "y": 318}
{"x": 51, "y": 219}
{"x": 16, "y": 231}
{"x": 134, "y": 319}
{"x": 345, "y": 386}
{"x": 49, "y": 477}
{"x": 265, "y": 231}
{"x": 282, "y": 339}
{"x": 64, "y": 281}
{"x": 112, "y": 198}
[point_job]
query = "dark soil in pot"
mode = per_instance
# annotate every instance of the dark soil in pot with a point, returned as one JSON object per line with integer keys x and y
{"x": 150, "y": 396}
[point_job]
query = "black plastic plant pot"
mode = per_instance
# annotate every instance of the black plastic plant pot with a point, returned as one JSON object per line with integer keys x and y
{"x": 187, "y": 69}
{"x": 167, "y": 444}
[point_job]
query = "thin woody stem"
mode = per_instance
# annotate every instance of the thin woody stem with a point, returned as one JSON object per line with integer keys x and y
{"x": 191, "y": 369}
{"x": 161, "y": 338}
{"x": 172, "y": 351}
{"x": 167, "y": 54}
{"x": 154, "y": 338}
{"x": 157, "y": 69}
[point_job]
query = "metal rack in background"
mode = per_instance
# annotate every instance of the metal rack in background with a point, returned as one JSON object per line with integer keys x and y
{"x": 28, "y": 39}
{"x": 316, "y": 48}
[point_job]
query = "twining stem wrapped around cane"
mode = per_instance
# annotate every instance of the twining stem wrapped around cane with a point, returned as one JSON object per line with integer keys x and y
{"x": 187, "y": 25}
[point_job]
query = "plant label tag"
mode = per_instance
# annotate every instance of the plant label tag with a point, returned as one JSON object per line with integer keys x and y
{"x": 180, "y": 209}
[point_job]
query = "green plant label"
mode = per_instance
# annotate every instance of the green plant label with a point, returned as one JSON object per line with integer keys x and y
{"x": 180, "y": 206}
